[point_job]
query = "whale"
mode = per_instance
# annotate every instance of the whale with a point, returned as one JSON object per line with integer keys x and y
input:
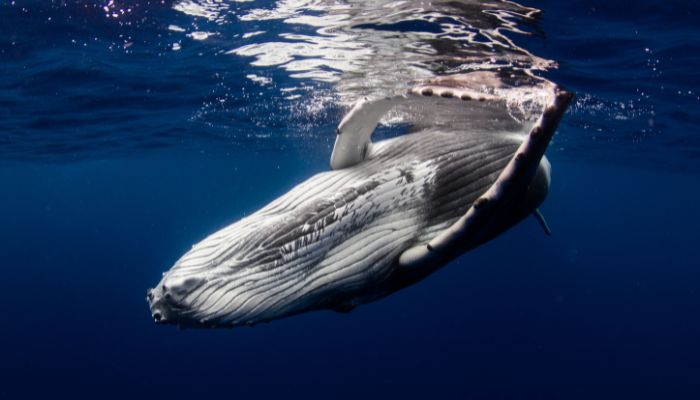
{"x": 385, "y": 216}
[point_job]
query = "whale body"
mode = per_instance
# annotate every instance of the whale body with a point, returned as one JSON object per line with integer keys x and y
{"x": 389, "y": 214}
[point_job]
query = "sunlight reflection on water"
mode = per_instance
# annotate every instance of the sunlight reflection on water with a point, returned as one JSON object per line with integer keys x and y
{"x": 383, "y": 47}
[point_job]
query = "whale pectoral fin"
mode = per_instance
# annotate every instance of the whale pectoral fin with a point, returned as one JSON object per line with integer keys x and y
{"x": 466, "y": 97}
{"x": 473, "y": 227}
{"x": 352, "y": 142}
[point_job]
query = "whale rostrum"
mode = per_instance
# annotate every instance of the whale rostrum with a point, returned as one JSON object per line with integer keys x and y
{"x": 387, "y": 215}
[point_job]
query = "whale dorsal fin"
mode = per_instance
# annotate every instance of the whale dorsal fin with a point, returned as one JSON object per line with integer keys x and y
{"x": 470, "y": 229}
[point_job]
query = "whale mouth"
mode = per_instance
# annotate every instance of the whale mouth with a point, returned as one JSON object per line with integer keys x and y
{"x": 161, "y": 311}
{"x": 165, "y": 310}
{"x": 167, "y": 300}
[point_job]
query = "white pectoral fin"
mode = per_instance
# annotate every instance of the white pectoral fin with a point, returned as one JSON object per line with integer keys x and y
{"x": 471, "y": 228}
{"x": 420, "y": 103}
{"x": 353, "y": 139}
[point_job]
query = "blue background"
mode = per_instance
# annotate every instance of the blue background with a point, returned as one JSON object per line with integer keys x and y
{"x": 106, "y": 178}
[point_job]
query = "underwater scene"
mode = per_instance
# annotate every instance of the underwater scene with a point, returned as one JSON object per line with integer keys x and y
{"x": 447, "y": 199}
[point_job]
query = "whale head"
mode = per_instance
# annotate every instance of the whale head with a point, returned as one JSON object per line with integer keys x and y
{"x": 241, "y": 275}
{"x": 205, "y": 299}
{"x": 218, "y": 283}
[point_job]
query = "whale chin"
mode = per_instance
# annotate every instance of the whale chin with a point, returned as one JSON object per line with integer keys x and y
{"x": 191, "y": 301}
{"x": 169, "y": 305}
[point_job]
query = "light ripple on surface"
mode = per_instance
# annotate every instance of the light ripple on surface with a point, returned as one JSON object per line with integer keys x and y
{"x": 90, "y": 79}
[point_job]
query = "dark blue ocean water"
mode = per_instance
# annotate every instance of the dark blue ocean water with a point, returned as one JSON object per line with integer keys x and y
{"x": 130, "y": 130}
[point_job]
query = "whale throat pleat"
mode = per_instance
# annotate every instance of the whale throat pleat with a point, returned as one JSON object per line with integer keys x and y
{"x": 294, "y": 254}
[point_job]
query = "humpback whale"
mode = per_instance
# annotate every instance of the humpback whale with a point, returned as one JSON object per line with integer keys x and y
{"x": 387, "y": 214}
